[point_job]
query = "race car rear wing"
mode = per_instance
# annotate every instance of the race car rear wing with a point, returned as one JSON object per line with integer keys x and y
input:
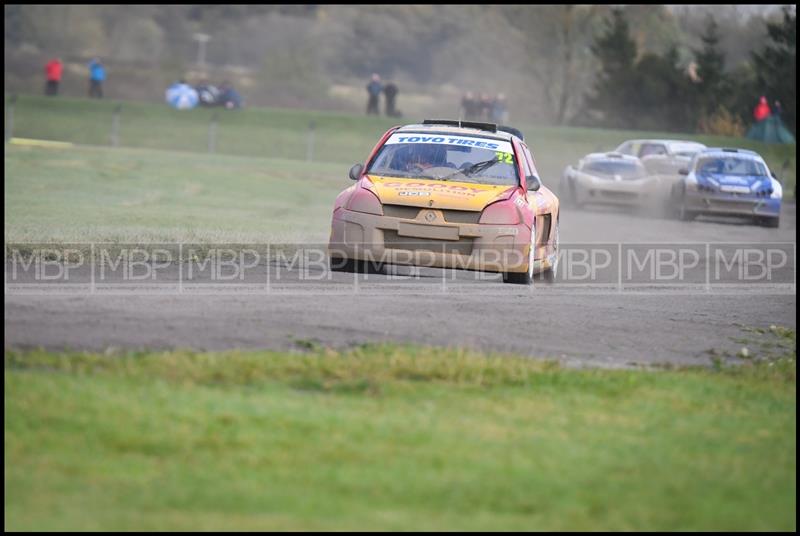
{"x": 511, "y": 130}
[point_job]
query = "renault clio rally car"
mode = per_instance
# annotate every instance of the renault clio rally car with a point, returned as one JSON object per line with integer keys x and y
{"x": 448, "y": 194}
{"x": 734, "y": 182}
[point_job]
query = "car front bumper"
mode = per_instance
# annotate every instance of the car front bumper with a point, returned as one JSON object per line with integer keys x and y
{"x": 732, "y": 204}
{"x": 434, "y": 243}
{"x": 607, "y": 191}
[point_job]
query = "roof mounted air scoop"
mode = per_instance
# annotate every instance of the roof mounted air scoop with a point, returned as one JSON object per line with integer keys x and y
{"x": 491, "y": 127}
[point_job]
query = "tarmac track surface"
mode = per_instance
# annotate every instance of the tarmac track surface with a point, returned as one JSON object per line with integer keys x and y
{"x": 581, "y": 326}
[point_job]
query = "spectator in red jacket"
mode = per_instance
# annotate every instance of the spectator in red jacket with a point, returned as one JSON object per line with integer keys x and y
{"x": 762, "y": 110}
{"x": 53, "y": 73}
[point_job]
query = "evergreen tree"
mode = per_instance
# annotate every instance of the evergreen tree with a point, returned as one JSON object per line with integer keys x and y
{"x": 713, "y": 87}
{"x": 614, "y": 87}
{"x": 663, "y": 97}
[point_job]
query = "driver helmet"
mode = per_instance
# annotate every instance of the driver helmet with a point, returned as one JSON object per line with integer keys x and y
{"x": 428, "y": 155}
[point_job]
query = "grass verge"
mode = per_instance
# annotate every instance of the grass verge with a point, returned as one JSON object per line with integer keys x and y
{"x": 393, "y": 438}
{"x": 338, "y": 137}
{"x": 91, "y": 194}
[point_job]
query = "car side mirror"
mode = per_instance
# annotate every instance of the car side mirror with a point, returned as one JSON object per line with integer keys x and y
{"x": 355, "y": 171}
{"x": 683, "y": 171}
{"x": 774, "y": 176}
{"x": 533, "y": 183}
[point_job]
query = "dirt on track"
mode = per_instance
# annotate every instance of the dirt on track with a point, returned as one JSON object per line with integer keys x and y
{"x": 577, "y": 325}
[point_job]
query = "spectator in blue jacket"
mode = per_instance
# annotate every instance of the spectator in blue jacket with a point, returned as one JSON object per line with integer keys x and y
{"x": 97, "y": 75}
{"x": 229, "y": 97}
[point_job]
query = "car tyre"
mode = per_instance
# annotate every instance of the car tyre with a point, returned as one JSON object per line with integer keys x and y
{"x": 681, "y": 212}
{"x": 685, "y": 215}
{"x": 526, "y": 277}
{"x": 342, "y": 265}
{"x": 772, "y": 223}
{"x": 355, "y": 266}
{"x": 549, "y": 275}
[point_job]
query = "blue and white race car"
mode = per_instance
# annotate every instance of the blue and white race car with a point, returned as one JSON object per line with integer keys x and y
{"x": 734, "y": 182}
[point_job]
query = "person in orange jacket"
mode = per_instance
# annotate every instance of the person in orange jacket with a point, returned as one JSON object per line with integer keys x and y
{"x": 762, "y": 110}
{"x": 52, "y": 71}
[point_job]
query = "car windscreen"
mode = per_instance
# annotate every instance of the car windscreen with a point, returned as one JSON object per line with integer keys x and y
{"x": 625, "y": 169}
{"x": 686, "y": 149}
{"x": 730, "y": 165}
{"x": 446, "y": 157}
{"x": 648, "y": 149}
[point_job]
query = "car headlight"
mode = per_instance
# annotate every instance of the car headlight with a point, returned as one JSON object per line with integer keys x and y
{"x": 500, "y": 213}
{"x": 365, "y": 201}
{"x": 777, "y": 190}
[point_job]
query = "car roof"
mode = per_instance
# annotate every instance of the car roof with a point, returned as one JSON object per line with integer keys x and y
{"x": 734, "y": 150}
{"x": 664, "y": 141}
{"x": 612, "y": 156}
{"x": 452, "y": 129}
{"x": 728, "y": 151}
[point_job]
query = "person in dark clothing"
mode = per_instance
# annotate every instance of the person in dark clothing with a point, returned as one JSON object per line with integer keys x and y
{"x": 470, "y": 106}
{"x": 390, "y": 91}
{"x": 499, "y": 110}
{"x": 485, "y": 107}
{"x": 777, "y": 109}
{"x": 229, "y": 97}
{"x": 374, "y": 89}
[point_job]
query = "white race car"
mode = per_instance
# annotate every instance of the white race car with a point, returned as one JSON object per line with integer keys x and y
{"x": 611, "y": 178}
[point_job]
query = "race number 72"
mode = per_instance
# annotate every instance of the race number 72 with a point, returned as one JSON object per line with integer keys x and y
{"x": 508, "y": 158}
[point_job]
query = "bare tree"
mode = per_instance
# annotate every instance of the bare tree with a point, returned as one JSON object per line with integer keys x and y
{"x": 557, "y": 39}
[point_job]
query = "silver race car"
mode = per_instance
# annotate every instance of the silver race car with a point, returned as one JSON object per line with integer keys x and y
{"x": 661, "y": 157}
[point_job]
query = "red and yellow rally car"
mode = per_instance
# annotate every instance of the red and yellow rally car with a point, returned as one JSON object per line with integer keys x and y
{"x": 448, "y": 194}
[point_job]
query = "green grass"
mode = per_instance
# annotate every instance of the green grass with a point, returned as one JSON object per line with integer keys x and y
{"x": 85, "y": 194}
{"x": 263, "y": 132}
{"x": 118, "y": 195}
{"x": 282, "y": 133}
{"x": 393, "y": 438}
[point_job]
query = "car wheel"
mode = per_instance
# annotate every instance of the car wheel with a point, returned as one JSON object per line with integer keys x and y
{"x": 338, "y": 264}
{"x": 355, "y": 266}
{"x": 772, "y": 223}
{"x": 523, "y": 278}
{"x": 685, "y": 215}
{"x": 681, "y": 212}
{"x": 549, "y": 275}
